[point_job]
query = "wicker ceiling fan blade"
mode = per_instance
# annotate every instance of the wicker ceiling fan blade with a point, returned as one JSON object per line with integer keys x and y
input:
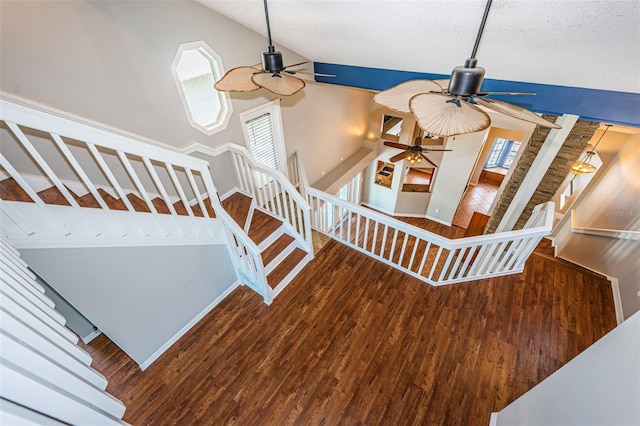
{"x": 397, "y": 98}
{"x": 443, "y": 115}
{"x": 515, "y": 111}
{"x": 400, "y": 156}
{"x": 396, "y": 145}
{"x": 280, "y": 84}
{"x": 428, "y": 161}
{"x": 237, "y": 80}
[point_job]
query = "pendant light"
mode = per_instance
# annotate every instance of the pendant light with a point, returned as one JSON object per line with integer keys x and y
{"x": 584, "y": 166}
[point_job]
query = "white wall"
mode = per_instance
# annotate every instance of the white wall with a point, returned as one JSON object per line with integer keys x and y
{"x": 613, "y": 202}
{"x": 110, "y": 62}
{"x": 140, "y": 297}
{"x": 453, "y": 174}
{"x": 601, "y": 386}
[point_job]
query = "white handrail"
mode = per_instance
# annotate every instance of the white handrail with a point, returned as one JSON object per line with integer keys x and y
{"x": 270, "y": 189}
{"x": 102, "y": 145}
{"x": 151, "y": 159}
{"x": 442, "y": 260}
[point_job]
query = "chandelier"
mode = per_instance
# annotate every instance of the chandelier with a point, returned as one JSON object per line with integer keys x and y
{"x": 584, "y": 166}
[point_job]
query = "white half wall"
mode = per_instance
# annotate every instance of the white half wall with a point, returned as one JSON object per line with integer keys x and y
{"x": 601, "y": 386}
{"x": 140, "y": 297}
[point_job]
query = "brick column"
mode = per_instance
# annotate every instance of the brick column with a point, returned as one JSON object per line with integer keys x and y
{"x": 578, "y": 138}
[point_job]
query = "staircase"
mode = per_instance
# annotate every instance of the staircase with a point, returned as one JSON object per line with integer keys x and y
{"x": 282, "y": 254}
{"x": 10, "y": 190}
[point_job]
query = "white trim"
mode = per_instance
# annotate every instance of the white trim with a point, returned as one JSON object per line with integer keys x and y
{"x": 88, "y": 338}
{"x": 376, "y": 208}
{"x": 435, "y": 219}
{"x": 272, "y": 108}
{"x": 617, "y": 299}
{"x": 493, "y": 420}
{"x": 602, "y": 232}
{"x": 20, "y": 106}
{"x": 188, "y": 326}
{"x": 217, "y": 70}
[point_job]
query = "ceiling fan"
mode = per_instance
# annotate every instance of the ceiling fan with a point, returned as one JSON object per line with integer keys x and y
{"x": 451, "y": 107}
{"x": 271, "y": 74}
{"x": 413, "y": 153}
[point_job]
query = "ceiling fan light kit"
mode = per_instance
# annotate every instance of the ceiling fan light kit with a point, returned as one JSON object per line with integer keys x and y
{"x": 454, "y": 110}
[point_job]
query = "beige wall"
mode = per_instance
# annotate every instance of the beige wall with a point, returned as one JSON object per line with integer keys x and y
{"x": 613, "y": 202}
{"x": 111, "y": 62}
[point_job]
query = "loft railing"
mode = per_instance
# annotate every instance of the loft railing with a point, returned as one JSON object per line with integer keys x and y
{"x": 269, "y": 188}
{"x": 427, "y": 256}
{"x": 85, "y": 160}
{"x": 422, "y": 254}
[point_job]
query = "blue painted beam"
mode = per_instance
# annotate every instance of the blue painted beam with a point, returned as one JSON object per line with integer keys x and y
{"x": 591, "y": 104}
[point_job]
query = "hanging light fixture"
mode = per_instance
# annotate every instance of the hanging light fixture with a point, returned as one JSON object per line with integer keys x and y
{"x": 584, "y": 166}
{"x": 414, "y": 157}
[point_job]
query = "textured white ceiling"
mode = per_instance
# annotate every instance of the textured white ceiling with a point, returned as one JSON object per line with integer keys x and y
{"x": 579, "y": 43}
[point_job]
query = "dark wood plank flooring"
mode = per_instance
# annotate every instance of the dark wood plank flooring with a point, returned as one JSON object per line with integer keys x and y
{"x": 352, "y": 341}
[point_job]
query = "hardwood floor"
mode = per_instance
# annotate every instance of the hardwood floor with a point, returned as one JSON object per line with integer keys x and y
{"x": 352, "y": 341}
{"x": 476, "y": 199}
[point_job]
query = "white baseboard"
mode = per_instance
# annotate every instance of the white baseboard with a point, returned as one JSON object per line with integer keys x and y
{"x": 187, "y": 327}
{"x": 617, "y": 300}
{"x": 376, "y": 208}
{"x": 420, "y": 216}
{"x": 88, "y": 338}
{"x": 435, "y": 219}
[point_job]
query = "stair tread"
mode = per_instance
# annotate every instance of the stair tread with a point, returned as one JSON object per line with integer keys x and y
{"x": 112, "y": 202}
{"x": 10, "y": 190}
{"x": 138, "y": 203}
{"x": 262, "y": 226}
{"x": 160, "y": 205}
{"x": 52, "y": 195}
{"x": 278, "y": 246}
{"x": 87, "y": 200}
{"x": 283, "y": 269}
{"x": 238, "y": 206}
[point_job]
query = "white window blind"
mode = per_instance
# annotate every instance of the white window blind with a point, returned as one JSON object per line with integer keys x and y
{"x": 261, "y": 140}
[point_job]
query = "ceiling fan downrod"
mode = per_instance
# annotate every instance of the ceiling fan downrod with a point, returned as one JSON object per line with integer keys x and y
{"x": 466, "y": 80}
{"x": 271, "y": 59}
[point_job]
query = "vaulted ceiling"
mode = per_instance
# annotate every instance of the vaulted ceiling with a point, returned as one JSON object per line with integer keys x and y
{"x": 577, "y": 43}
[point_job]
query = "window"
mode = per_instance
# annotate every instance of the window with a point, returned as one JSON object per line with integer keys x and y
{"x": 260, "y": 140}
{"x": 195, "y": 69}
{"x": 263, "y": 134}
{"x": 351, "y": 191}
{"x": 502, "y": 153}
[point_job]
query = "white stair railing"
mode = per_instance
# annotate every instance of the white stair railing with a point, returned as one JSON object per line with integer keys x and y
{"x": 100, "y": 163}
{"x": 270, "y": 189}
{"x": 422, "y": 254}
{"x": 97, "y": 161}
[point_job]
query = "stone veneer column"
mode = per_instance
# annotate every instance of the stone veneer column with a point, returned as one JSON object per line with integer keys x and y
{"x": 580, "y": 135}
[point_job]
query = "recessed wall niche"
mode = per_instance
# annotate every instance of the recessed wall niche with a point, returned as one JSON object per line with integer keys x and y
{"x": 384, "y": 174}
